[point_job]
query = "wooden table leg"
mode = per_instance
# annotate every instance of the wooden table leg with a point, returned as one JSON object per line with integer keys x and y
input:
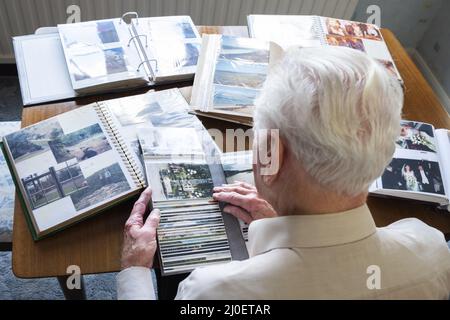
{"x": 72, "y": 294}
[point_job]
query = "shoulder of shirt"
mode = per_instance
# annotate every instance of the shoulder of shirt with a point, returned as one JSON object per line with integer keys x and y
{"x": 419, "y": 228}
{"x": 418, "y": 236}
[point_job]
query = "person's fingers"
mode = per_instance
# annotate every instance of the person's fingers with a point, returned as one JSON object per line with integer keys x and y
{"x": 245, "y": 185}
{"x": 240, "y": 184}
{"x": 238, "y": 213}
{"x": 231, "y": 188}
{"x": 233, "y": 198}
{"x": 136, "y": 219}
{"x": 152, "y": 221}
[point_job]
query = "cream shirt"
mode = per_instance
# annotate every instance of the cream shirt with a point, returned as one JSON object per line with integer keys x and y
{"x": 329, "y": 256}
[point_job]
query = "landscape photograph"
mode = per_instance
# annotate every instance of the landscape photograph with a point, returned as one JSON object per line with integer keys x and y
{"x": 54, "y": 183}
{"x": 170, "y": 142}
{"x": 31, "y": 141}
{"x": 82, "y": 144}
{"x": 236, "y": 73}
{"x": 104, "y": 184}
{"x": 247, "y": 50}
{"x": 164, "y": 28}
{"x": 179, "y": 181}
{"x": 230, "y": 96}
{"x": 172, "y": 56}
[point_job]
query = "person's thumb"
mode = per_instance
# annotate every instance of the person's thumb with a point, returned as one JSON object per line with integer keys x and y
{"x": 152, "y": 221}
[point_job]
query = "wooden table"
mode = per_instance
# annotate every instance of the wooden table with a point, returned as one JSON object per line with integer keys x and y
{"x": 95, "y": 245}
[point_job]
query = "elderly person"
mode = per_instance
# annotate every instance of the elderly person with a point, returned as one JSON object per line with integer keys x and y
{"x": 311, "y": 234}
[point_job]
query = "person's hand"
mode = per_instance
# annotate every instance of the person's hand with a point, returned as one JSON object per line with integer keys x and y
{"x": 139, "y": 243}
{"x": 243, "y": 202}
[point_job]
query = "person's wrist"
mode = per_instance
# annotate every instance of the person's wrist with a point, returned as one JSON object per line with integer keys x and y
{"x": 126, "y": 263}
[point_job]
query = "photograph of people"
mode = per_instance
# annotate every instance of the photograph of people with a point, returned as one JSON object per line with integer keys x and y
{"x": 410, "y": 178}
{"x": 416, "y": 136}
{"x": 413, "y": 175}
{"x": 345, "y": 28}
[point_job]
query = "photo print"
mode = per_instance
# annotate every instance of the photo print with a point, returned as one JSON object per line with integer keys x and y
{"x": 413, "y": 175}
{"x": 349, "y": 42}
{"x": 231, "y": 96}
{"x": 158, "y": 142}
{"x": 104, "y": 184}
{"x": 243, "y": 50}
{"x": 162, "y": 113}
{"x": 161, "y": 29}
{"x": 416, "y": 136}
{"x": 345, "y": 28}
{"x": 173, "y": 56}
{"x": 92, "y": 33}
{"x": 238, "y": 166}
{"x": 179, "y": 181}
{"x": 241, "y": 74}
{"x": 95, "y": 62}
{"x": 53, "y": 184}
{"x": 82, "y": 144}
{"x": 32, "y": 141}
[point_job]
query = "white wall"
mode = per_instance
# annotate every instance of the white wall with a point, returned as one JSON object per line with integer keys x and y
{"x": 408, "y": 19}
{"x": 435, "y": 46}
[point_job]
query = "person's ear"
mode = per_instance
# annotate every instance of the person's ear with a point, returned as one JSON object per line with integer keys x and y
{"x": 271, "y": 154}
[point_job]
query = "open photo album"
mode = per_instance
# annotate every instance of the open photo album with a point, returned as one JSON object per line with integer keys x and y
{"x": 112, "y": 52}
{"x": 182, "y": 166}
{"x": 229, "y": 77}
{"x": 107, "y": 55}
{"x": 69, "y": 167}
{"x": 76, "y": 164}
{"x": 419, "y": 169}
{"x": 314, "y": 31}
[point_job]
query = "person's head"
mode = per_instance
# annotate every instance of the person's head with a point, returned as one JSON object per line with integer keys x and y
{"x": 404, "y": 130}
{"x": 338, "y": 115}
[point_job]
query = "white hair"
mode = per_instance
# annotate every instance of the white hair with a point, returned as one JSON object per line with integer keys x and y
{"x": 339, "y": 112}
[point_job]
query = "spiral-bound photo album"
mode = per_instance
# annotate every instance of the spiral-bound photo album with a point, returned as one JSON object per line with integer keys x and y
{"x": 71, "y": 166}
{"x": 314, "y": 31}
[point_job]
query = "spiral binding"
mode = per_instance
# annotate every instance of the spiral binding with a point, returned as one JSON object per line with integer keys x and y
{"x": 120, "y": 145}
{"x": 318, "y": 29}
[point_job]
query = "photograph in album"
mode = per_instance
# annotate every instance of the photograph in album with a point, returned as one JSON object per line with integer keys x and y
{"x": 81, "y": 145}
{"x": 70, "y": 167}
{"x": 413, "y": 175}
{"x": 179, "y": 181}
{"x": 170, "y": 142}
{"x": 416, "y": 136}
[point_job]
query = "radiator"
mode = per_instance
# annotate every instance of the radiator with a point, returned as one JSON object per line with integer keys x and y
{"x": 19, "y": 17}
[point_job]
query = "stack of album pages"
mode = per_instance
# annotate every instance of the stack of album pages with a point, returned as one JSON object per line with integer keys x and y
{"x": 420, "y": 167}
{"x": 182, "y": 165}
{"x": 230, "y": 75}
{"x": 106, "y": 55}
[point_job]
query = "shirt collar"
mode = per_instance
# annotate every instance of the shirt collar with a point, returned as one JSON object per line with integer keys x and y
{"x": 310, "y": 231}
